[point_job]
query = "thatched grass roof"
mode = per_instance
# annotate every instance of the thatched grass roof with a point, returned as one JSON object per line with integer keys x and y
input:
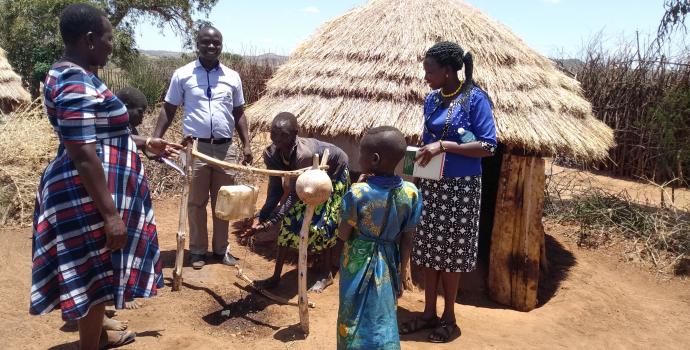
{"x": 11, "y": 90}
{"x": 364, "y": 69}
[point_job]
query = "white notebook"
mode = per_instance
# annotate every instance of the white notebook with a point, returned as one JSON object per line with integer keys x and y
{"x": 432, "y": 171}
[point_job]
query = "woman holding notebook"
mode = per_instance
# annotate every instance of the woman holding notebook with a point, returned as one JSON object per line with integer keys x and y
{"x": 458, "y": 125}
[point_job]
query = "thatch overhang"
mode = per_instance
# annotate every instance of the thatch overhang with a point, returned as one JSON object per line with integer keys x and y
{"x": 364, "y": 69}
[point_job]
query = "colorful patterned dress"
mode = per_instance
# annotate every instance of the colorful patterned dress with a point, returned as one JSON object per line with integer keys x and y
{"x": 72, "y": 268}
{"x": 369, "y": 281}
{"x": 324, "y": 223}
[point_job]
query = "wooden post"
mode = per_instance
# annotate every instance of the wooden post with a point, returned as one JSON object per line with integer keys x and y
{"x": 302, "y": 270}
{"x": 518, "y": 235}
{"x": 182, "y": 224}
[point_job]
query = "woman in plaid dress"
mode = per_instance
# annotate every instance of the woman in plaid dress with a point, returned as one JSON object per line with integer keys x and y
{"x": 94, "y": 235}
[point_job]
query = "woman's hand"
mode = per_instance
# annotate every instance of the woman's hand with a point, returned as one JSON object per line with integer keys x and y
{"x": 115, "y": 232}
{"x": 427, "y": 152}
{"x": 163, "y": 148}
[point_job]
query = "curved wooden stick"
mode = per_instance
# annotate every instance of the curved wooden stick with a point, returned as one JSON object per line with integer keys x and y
{"x": 267, "y": 294}
{"x": 249, "y": 169}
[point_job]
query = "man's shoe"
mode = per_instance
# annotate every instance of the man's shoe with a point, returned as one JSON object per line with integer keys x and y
{"x": 227, "y": 259}
{"x": 198, "y": 261}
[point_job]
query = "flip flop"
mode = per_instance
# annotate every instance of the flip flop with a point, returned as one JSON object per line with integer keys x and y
{"x": 124, "y": 338}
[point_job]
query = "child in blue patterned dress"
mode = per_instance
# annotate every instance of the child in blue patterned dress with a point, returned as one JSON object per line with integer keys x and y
{"x": 378, "y": 221}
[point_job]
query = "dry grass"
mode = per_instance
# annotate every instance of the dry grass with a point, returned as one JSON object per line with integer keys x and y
{"x": 364, "y": 69}
{"x": 655, "y": 236}
{"x": 26, "y": 146}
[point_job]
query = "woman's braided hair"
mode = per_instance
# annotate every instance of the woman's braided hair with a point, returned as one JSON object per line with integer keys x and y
{"x": 451, "y": 55}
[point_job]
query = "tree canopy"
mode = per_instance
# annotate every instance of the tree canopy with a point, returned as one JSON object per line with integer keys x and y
{"x": 29, "y": 29}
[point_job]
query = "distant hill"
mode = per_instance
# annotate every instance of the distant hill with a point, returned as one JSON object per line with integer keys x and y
{"x": 160, "y": 53}
{"x": 570, "y": 66}
{"x": 267, "y": 58}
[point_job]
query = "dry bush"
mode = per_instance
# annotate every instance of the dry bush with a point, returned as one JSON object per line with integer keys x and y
{"x": 644, "y": 96}
{"x": 654, "y": 235}
{"x": 27, "y": 144}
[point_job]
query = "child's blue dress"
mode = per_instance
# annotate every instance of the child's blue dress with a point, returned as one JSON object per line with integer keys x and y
{"x": 369, "y": 281}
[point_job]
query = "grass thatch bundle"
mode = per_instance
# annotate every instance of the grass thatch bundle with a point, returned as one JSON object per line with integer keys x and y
{"x": 12, "y": 92}
{"x": 364, "y": 69}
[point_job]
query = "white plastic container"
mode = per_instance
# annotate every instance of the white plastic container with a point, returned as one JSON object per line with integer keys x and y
{"x": 236, "y": 202}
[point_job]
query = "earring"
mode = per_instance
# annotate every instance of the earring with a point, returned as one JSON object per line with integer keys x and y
{"x": 446, "y": 76}
{"x": 91, "y": 48}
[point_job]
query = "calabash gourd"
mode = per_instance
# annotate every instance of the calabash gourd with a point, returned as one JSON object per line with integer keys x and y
{"x": 314, "y": 187}
{"x": 236, "y": 202}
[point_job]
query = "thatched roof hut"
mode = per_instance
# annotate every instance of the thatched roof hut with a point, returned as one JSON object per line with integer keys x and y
{"x": 364, "y": 69}
{"x": 12, "y": 93}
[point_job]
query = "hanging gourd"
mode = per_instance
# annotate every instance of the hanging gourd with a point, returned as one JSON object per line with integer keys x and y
{"x": 314, "y": 187}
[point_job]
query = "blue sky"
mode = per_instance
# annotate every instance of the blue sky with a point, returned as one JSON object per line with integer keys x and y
{"x": 556, "y": 28}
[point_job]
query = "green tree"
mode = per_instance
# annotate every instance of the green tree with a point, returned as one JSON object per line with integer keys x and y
{"x": 29, "y": 29}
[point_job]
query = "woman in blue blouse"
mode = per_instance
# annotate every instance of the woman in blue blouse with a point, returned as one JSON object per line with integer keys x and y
{"x": 458, "y": 121}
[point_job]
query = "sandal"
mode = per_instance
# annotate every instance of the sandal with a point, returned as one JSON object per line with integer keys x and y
{"x": 417, "y": 324}
{"x": 445, "y": 332}
{"x": 124, "y": 338}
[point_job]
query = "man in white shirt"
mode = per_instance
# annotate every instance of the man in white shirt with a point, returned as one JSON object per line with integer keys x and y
{"x": 211, "y": 94}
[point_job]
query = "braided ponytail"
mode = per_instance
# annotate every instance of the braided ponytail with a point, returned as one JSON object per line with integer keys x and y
{"x": 469, "y": 69}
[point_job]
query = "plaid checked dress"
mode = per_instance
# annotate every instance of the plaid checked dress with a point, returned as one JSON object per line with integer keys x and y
{"x": 72, "y": 268}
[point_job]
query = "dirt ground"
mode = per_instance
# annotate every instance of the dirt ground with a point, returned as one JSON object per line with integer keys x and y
{"x": 589, "y": 299}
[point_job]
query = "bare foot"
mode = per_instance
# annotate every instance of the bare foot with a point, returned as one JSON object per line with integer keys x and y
{"x": 321, "y": 285}
{"x": 268, "y": 283}
{"x": 110, "y": 324}
{"x": 132, "y": 305}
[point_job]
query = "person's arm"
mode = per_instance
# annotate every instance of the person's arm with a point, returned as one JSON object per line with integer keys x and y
{"x": 483, "y": 128}
{"x": 76, "y": 105}
{"x": 92, "y": 176}
{"x": 174, "y": 97}
{"x": 405, "y": 252}
{"x": 157, "y": 146}
{"x": 273, "y": 196}
{"x": 243, "y": 133}
{"x": 165, "y": 118}
{"x": 472, "y": 149}
{"x": 348, "y": 214}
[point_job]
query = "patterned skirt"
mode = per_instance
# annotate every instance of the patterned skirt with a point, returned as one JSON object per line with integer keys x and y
{"x": 447, "y": 236}
{"x": 324, "y": 224}
{"x": 72, "y": 268}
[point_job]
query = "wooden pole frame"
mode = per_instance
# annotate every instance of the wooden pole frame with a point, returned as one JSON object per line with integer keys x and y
{"x": 191, "y": 153}
{"x": 182, "y": 225}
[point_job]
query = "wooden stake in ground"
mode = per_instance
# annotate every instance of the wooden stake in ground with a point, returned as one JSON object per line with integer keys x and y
{"x": 182, "y": 225}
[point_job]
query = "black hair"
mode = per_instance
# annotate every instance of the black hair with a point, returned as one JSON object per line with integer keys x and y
{"x": 387, "y": 141}
{"x": 206, "y": 27}
{"x": 450, "y": 54}
{"x": 132, "y": 96}
{"x": 79, "y": 19}
{"x": 288, "y": 118}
